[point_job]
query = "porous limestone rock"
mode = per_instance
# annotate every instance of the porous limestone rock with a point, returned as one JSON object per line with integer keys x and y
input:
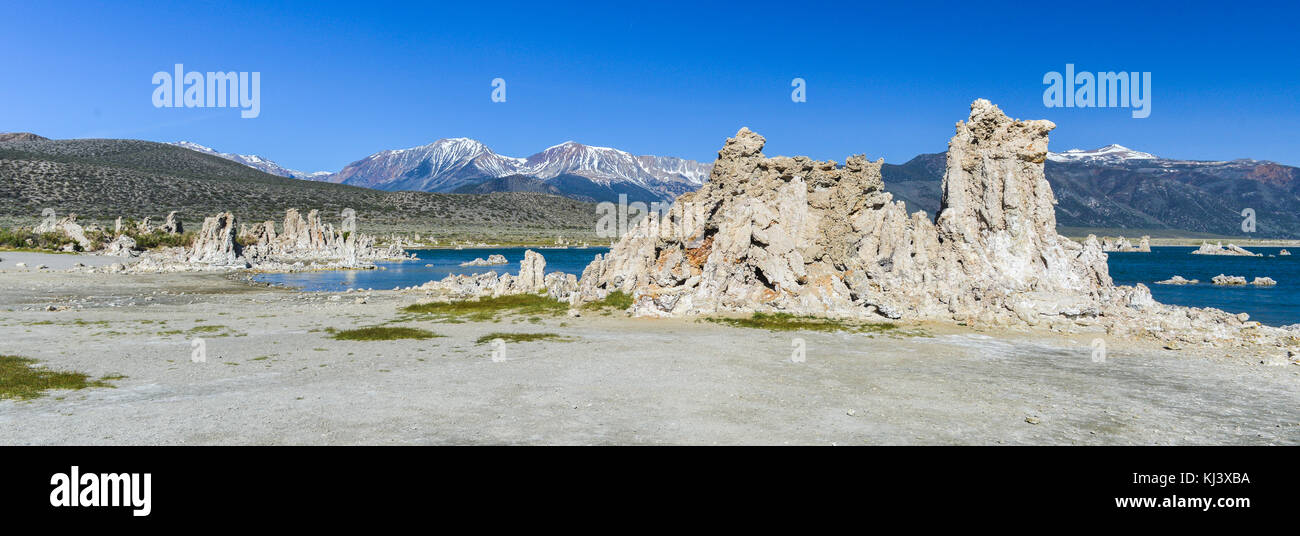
{"x": 1219, "y": 249}
{"x": 215, "y": 243}
{"x": 1263, "y": 282}
{"x": 70, "y": 228}
{"x": 532, "y": 271}
{"x": 1228, "y": 280}
{"x": 305, "y": 244}
{"x": 492, "y": 260}
{"x": 809, "y": 237}
{"x": 1178, "y": 280}
{"x": 1122, "y": 244}
{"x": 531, "y": 279}
{"x": 172, "y": 225}
{"x": 122, "y": 246}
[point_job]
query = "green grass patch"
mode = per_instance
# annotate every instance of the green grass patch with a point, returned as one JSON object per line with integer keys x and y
{"x": 384, "y": 333}
{"x": 614, "y": 300}
{"x": 486, "y": 309}
{"x": 20, "y": 381}
{"x": 524, "y": 337}
{"x": 791, "y": 322}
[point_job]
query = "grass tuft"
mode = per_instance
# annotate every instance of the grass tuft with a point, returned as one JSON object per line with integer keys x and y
{"x": 614, "y": 300}
{"x": 20, "y": 381}
{"x": 790, "y": 322}
{"x": 384, "y": 333}
{"x": 524, "y": 337}
{"x": 486, "y": 309}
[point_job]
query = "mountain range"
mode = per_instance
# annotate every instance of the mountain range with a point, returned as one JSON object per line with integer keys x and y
{"x": 463, "y": 165}
{"x": 103, "y": 179}
{"x": 1114, "y": 188}
{"x": 1110, "y": 190}
{"x": 256, "y": 162}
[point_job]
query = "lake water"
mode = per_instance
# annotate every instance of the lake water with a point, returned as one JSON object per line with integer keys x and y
{"x": 442, "y": 263}
{"x": 1274, "y": 306}
{"x": 1269, "y": 305}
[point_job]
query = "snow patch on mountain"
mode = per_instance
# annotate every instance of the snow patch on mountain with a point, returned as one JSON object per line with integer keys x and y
{"x": 1109, "y": 153}
{"x": 256, "y": 162}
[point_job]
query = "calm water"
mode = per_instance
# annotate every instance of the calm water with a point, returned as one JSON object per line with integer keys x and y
{"x": 1270, "y": 305}
{"x": 443, "y": 261}
{"x": 1274, "y": 306}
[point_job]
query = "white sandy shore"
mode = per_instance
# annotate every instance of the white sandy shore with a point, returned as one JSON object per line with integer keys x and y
{"x": 9, "y": 260}
{"x": 279, "y": 379}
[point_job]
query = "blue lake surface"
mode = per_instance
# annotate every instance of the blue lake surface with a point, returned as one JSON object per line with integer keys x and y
{"x": 443, "y": 261}
{"x": 1270, "y": 305}
{"x": 1274, "y": 306}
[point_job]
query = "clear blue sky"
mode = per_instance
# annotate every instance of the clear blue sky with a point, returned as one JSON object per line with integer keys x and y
{"x": 343, "y": 80}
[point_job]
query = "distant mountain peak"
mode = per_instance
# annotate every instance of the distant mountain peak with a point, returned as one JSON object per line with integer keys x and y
{"x": 254, "y": 161}
{"x": 1113, "y": 152}
{"x": 581, "y": 170}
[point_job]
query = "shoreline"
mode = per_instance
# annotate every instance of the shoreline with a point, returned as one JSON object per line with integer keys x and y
{"x": 274, "y": 375}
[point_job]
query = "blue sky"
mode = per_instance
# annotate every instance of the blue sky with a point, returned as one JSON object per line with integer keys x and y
{"x": 343, "y": 80}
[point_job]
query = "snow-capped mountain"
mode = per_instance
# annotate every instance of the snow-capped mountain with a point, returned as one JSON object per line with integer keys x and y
{"x": 441, "y": 166}
{"x": 255, "y": 162}
{"x": 583, "y": 171}
{"x": 1109, "y": 154}
{"x": 463, "y": 164}
{"x": 598, "y": 163}
{"x": 673, "y": 169}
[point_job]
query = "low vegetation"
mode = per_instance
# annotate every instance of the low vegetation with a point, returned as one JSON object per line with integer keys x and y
{"x": 25, "y": 239}
{"x": 20, "y": 238}
{"x": 617, "y": 299}
{"x": 383, "y": 333}
{"x": 790, "y": 322}
{"x": 160, "y": 239}
{"x": 21, "y": 381}
{"x": 524, "y": 337}
{"x": 487, "y": 309}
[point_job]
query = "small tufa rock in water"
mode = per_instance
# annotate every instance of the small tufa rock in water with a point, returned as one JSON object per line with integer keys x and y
{"x": 1263, "y": 282}
{"x": 1178, "y": 280}
{"x": 492, "y": 260}
{"x": 1219, "y": 249}
{"x": 1228, "y": 280}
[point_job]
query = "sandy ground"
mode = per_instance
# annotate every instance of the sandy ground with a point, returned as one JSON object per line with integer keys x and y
{"x": 272, "y": 376}
{"x": 9, "y": 260}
